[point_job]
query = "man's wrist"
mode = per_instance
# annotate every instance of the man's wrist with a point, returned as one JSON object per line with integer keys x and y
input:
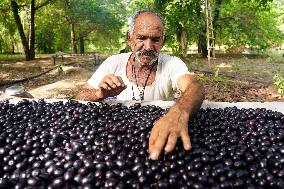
{"x": 176, "y": 109}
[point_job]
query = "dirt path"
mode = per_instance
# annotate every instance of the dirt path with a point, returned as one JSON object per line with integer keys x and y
{"x": 64, "y": 88}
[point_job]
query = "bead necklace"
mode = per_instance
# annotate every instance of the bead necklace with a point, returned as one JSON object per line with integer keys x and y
{"x": 141, "y": 93}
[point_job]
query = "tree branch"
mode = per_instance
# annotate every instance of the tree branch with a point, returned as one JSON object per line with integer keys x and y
{"x": 43, "y": 4}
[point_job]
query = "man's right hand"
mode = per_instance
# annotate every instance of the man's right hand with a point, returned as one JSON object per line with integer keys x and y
{"x": 111, "y": 85}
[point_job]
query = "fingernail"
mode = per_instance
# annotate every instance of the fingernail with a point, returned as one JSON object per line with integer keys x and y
{"x": 154, "y": 155}
{"x": 187, "y": 147}
{"x": 166, "y": 149}
{"x": 113, "y": 85}
{"x": 118, "y": 84}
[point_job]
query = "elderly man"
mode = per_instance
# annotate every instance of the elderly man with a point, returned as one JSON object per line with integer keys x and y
{"x": 145, "y": 74}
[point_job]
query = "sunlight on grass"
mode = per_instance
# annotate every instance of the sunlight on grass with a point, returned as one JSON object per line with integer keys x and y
{"x": 274, "y": 56}
{"x": 11, "y": 56}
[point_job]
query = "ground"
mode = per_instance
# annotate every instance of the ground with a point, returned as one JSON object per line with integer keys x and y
{"x": 229, "y": 78}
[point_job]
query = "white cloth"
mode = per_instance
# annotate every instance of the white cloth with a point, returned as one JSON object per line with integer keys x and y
{"x": 169, "y": 69}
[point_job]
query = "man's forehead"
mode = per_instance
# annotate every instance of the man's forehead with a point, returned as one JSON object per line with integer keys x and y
{"x": 149, "y": 21}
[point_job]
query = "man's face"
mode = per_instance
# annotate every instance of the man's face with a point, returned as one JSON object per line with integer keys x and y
{"x": 146, "y": 41}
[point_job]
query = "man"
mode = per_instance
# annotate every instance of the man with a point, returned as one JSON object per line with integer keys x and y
{"x": 145, "y": 74}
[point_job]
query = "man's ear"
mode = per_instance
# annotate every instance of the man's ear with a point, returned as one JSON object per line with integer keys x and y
{"x": 127, "y": 35}
{"x": 128, "y": 38}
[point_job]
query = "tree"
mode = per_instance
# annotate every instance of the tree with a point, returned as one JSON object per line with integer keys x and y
{"x": 246, "y": 23}
{"x": 27, "y": 42}
{"x": 8, "y": 37}
{"x": 91, "y": 17}
{"x": 185, "y": 23}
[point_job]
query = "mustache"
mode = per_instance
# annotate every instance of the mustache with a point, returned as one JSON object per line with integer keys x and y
{"x": 148, "y": 53}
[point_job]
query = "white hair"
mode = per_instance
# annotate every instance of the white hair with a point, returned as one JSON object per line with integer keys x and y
{"x": 137, "y": 13}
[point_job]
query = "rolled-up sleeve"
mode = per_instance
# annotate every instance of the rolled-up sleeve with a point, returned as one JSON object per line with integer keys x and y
{"x": 177, "y": 69}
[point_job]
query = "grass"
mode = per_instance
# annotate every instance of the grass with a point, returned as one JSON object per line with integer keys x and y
{"x": 274, "y": 56}
{"x": 11, "y": 56}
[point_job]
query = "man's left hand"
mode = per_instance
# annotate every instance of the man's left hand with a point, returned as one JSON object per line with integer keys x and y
{"x": 167, "y": 130}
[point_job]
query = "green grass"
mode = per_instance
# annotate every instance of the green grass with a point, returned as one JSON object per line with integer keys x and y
{"x": 274, "y": 56}
{"x": 11, "y": 56}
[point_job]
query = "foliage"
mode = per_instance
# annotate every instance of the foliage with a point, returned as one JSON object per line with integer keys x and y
{"x": 246, "y": 24}
{"x": 99, "y": 24}
{"x": 71, "y": 96}
{"x": 279, "y": 82}
{"x": 95, "y": 20}
{"x": 216, "y": 72}
{"x": 260, "y": 3}
{"x": 217, "y": 77}
{"x": 203, "y": 78}
{"x": 273, "y": 56}
{"x": 8, "y": 37}
{"x": 11, "y": 56}
{"x": 182, "y": 14}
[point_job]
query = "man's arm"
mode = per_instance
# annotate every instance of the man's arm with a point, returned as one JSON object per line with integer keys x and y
{"x": 111, "y": 85}
{"x": 174, "y": 123}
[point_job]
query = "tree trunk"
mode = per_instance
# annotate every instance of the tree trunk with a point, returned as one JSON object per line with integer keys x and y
{"x": 202, "y": 42}
{"x": 198, "y": 46}
{"x": 183, "y": 42}
{"x": 19, "y": 25}
{"x": 32, "y": 31}
{"x": 218, "y": 4}
{"x": 82, "y": 45}
{"x": 73, "y": 39}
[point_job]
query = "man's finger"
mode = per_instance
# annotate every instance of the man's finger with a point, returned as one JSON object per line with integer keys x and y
{"x": 152, "y": 138}
{"x": 110, "y": 82}
{"x": 115, "y": 80}
{"x": 159, "y": 144}
{"x": 185, "y": 139}
{"x": 172, "y": 140}
{"x": 120, "y": 79}
{"x": 105, "y": 86}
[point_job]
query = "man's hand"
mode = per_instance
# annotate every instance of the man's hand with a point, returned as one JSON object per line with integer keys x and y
{"x": 167, "y": 130}
{"x": 174, "y": 124}
{"x": 111, "y": 85}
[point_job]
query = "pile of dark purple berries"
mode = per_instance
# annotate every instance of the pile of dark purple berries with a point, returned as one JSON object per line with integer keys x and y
{"x": 74, "y": 145}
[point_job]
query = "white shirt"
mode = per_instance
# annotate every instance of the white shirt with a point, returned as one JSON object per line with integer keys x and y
{"x": 169, "y": 70}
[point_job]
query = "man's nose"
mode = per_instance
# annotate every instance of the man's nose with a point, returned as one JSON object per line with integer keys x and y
{"x": 148, "y": 44}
